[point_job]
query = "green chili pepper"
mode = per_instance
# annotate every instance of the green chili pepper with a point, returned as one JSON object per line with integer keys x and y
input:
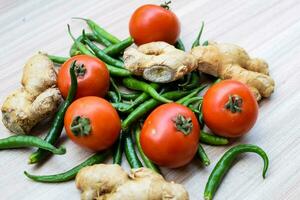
{"x": 115, "y": 88}
{"x": 195, "y": 81}
{"x": 115, "y": 49}
{"x": 113, "y": 96}
{"x": 197, "y": 40}
{"x": 192, "y": 100}
{"x": 203, "y": 156}
{"x": 19, "y": 141}
{"x": 80, "y": 45}
{"x": 74, "y": 51}
{"x": 224, "y": 164}
{"x": 187, "y": 80}
{"x": 57, "y": 59}
{"x": 101, "y": 55}
{"x": 118, "y": 72}
{"x": 103, "y": 33}
{"x": 212, "y": 139}
{"x": 130, "y": 96}
{"x": 140, "y": 99}
{"x": 149, "y": 105}
{"x": 122, "y": 107}
{"x": 179, "y": 45}
{"x": 130, "y": 153}
{"x": 118, "y": 150}
{"x": 70, "y": 174}
{"x": 135, "y": 84}
{"x": 58, "y": 121}
{"x": 149, "y": 164}
{"x": 192, "y": 94}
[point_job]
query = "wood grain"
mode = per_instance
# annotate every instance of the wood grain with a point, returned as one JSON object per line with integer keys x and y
{"x": 269, "y": 29}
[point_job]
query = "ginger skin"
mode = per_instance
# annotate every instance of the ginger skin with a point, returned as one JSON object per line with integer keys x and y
{"x": 111, "y": 182}
{"x": 158, "y": 62}
{"x": 229, "y": 61}
{"x": 37, "y": 99}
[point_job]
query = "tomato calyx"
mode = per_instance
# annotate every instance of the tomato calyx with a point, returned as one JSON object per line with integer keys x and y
{"x": 183, "y": 124}
{"x": 166, "y": 5}
{"x": 80, "y": 70}
{"x": 234, "y": 103}
{"x": 80, "y": 126}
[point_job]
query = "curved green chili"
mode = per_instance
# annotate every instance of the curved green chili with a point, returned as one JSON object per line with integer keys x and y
{"x": 57, "y": 59}
{"x": 58, "y": 121}
{"x": 122, "y": 107}
{"x": 118, "y": 150}
{"x": 113, "y": 96}
{"x": 187, "y": 81}
{"x": 195, "y": 81}
{"x": 74, "y": 51}
{"x": 149, "y": 105}
{"x": 213, "y": 139}
{"x": 118, "y": 72}
{"x": 192, "y": 100}
{"x": 103, "y": 33}
{"x": 101, "y": 55}
{"x": 19, "y": 141}
{"x": 224, "y": 164}
{"x": 118, "y": 47}
{"x": 179, "y": 45}
{"x": 130, "y": 153}
{"x": 148, "y": 163}
{"x": 130, "y": 96}
{"x": 192, "y": 94}
{"x": 135, "y": 84}
{"x": 197, "y": 40}
{"x": 79, "y": 45}
{"x": 70, "y": 174}
{"x": 140, "y": 99}
{"x": 115, "y": 88}
{"x": 203, "y": 156}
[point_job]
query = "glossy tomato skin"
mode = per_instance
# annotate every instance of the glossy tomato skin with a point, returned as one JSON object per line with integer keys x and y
{"x": 104, "y": 120}
{"x": 95, "y": 81}
{"x": 150, "y": 23}
{"x": 163, "y": 143}
{"x": 222, "y": 121}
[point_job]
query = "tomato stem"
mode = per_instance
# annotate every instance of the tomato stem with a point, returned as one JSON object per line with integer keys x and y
{"x": 234, "y": 103}
{"x": 80, "y": 70}
{"x": 166, "y": 5}
{"x": 183, "y": 124}
{"x": 80, "y": 126}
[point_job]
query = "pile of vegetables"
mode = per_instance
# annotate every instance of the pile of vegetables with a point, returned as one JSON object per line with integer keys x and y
{"x": 149, "y": 96}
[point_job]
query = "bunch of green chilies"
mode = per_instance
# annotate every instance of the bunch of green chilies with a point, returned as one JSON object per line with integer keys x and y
{"x": 143, "y": 98}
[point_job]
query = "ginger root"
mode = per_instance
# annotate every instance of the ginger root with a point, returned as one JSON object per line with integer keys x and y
{"x": 229, "y": 61}
{"x": 158, "y": 62}
{"x": 161, "y": 62}
{"x": 111, "y": 182}
{"x": 36, "y": 100}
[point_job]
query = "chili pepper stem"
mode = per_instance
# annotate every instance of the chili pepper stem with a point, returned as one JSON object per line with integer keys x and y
{"x": 81, "y": 18}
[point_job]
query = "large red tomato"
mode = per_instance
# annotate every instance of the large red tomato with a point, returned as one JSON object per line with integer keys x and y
{"x": 93, "y": 123}
{"x": 170, "y": 135}
{"x": 229, "y": 108}
{"x": 150, "y": 23}
{"x": 92, "y": 76}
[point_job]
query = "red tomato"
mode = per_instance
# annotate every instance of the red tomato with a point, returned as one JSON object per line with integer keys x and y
{"x": 93, "y": 123}
{"x": 162, "y": 139}
{"x": 93, "y": 80}
{"x": 150, "y": 23}
{"x": 229, "y": 108}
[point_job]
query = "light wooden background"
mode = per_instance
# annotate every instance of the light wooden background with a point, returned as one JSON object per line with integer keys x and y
{"x": 269, "y": 29}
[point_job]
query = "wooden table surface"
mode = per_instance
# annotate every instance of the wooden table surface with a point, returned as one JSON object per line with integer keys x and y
{"x": 269, "y": 29}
